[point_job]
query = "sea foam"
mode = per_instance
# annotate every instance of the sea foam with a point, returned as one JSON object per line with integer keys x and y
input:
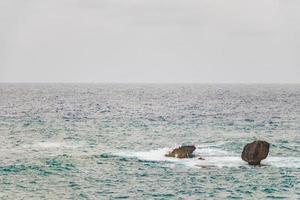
{"x": 51, "y": 145}
{"x": 213, "y": 158}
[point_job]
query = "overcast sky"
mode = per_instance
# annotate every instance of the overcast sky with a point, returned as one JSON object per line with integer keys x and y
{"x": 150, "y": 41}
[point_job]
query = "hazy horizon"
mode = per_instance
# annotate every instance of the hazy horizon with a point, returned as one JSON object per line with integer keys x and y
{"x": 150, "y": 41}
{"x": 160, "y": 83}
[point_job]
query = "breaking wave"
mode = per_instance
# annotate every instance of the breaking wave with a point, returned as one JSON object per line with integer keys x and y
{"x": 213, "y": 158}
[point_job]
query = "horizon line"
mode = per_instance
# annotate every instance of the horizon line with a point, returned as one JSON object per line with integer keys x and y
{"x": 115, "y": 82}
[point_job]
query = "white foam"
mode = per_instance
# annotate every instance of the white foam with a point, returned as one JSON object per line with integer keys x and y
{"x": 212, "y": 152}
{"x": 152, "y": 155}
{"x": 213, "y": 158}
{"x": 50, "y": 145}
{"x": 289, "y": 162}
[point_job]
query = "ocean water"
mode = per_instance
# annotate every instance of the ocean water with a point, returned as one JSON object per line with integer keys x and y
{"x": 107, "y": 141}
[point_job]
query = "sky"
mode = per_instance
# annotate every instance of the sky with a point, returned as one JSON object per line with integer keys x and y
{"x": 150, "y": 41}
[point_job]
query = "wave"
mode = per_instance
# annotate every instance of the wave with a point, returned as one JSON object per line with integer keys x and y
{"x": 214, "y": 157}
{"x": 51, "y": 145}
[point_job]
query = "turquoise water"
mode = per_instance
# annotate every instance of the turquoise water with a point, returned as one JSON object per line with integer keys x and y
{"x": 107, "y": 141}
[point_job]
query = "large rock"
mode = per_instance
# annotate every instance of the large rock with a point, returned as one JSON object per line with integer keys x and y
{"x": 256, "y": 151}
{"x": 182, "y": 152}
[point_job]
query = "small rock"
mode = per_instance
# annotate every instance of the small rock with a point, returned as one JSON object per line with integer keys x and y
{"x": 182, "y": 152}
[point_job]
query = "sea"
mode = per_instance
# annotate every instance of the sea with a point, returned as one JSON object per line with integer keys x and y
{"x": 108, "y": 141}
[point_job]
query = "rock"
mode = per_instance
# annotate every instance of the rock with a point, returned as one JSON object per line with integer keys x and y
{"x": 256, "y": 151}
{"x": 182, "y": 152}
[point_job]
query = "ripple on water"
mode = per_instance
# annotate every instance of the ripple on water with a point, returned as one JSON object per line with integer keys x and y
{"x": 103, "y": 141}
